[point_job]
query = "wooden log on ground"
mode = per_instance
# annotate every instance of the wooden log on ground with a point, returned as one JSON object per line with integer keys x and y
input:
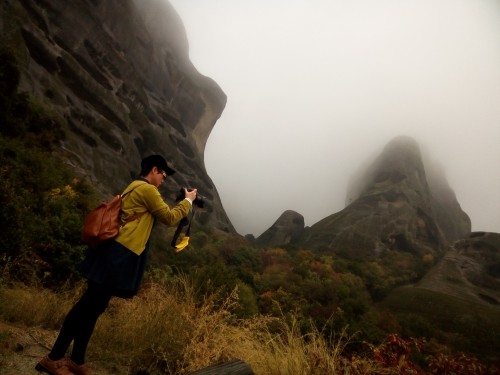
{"x": 234, "y": 367}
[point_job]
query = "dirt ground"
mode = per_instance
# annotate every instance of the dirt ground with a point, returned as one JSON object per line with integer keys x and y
{"x": 21, "y": 349}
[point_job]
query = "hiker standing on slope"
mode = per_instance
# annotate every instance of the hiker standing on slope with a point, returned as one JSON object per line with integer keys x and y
{"x": 116, "y": 268}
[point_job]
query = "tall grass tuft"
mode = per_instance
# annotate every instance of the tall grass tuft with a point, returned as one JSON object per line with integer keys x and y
{"x": 36, "y": 306}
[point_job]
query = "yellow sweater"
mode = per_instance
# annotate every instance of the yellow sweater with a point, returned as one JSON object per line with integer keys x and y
{"x": 147, "y": 202}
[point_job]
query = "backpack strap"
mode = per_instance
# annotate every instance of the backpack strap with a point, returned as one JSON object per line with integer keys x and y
{"x": 131, "y": 190}
{"x": 135, "y": 215}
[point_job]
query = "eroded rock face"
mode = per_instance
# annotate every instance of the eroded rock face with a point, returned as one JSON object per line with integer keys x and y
{"x": 286, "y": 229}
{"x": 391, "y": 207}
{"x": 118, "y": 72}
{"x": 453, "y": 221}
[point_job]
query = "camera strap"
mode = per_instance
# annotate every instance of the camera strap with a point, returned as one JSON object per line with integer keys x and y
{"x": 185, "y": 240}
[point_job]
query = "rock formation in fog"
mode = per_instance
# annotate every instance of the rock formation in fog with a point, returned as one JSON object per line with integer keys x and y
{"x": 395, "y": 204}
{"x": 430, "y": 180}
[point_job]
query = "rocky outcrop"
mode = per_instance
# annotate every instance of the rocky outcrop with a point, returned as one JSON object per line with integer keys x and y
{"x": 470, "y": 270}
{"x": 391, "y": 207}
{"x": 482, "y": 249}
{"x": 286, "y": 229}
{"x": 118, "y": 73}
{"x": 460, "y": 295}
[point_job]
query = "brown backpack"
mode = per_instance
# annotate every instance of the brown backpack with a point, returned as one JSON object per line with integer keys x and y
{"x": 103, "y": 222}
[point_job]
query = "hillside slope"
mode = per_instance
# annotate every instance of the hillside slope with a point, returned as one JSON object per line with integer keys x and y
{"x": 459, "y": 296}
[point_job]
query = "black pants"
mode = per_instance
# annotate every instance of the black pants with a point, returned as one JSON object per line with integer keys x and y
{"x": 80, "y": 322}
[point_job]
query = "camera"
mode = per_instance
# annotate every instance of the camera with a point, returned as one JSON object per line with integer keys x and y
{"x": 199, "y": 200}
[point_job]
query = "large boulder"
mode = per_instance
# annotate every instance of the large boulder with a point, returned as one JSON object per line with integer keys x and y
{"x": 286, "y": 229}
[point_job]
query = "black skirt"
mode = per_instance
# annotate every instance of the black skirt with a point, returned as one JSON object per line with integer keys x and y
{"x": 115, "y": 268}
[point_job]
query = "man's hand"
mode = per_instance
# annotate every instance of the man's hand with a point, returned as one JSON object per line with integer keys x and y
{"x": 191, "y": 195}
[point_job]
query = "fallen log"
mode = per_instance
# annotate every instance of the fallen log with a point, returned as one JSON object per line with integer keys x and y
{"x": 233, "y": 367}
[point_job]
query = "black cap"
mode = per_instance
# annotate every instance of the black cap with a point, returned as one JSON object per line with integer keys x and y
{"x": 156, "y": 161}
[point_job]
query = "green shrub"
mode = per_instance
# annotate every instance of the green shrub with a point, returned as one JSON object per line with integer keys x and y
{"x": 42, "y": 201}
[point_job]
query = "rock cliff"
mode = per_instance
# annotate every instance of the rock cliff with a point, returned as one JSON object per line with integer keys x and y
{"x": 118, "y": 73}
{"x": 393, "y": 206}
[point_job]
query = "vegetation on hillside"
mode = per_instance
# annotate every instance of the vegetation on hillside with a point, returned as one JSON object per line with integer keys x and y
{"x": 174, "y": 332}
{"x": 42, "y": 202}
{"x": 291, "y": 310}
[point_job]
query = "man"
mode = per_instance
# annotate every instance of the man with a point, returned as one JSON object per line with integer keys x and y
{"x": 116, "y": 268}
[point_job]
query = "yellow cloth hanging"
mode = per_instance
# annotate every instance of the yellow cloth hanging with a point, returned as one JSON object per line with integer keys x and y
{"x": 181, "y": 245}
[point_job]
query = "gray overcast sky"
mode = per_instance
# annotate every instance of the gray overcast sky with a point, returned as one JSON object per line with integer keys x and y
{"x": 317, "y": 88}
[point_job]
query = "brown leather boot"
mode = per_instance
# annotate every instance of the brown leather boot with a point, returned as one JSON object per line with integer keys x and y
{"x": 79, "y": 369}
{"x": 51, "y": 367}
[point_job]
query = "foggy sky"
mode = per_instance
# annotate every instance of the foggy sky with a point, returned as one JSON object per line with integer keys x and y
{"x": 317, "y": 88}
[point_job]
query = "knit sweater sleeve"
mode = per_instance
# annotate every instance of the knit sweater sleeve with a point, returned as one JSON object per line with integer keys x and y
{"x": 160, "y": 210}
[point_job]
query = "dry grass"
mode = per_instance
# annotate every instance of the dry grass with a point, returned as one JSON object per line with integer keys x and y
{"x": 36, "y": 306}
{"x": 163, "y": 331}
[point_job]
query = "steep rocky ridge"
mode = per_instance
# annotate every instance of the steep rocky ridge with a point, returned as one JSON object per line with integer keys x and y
{"x": 119, "y": 74}
{"x": 392, "y": 206}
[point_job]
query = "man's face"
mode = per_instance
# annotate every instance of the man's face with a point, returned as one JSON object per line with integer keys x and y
{"x": 158, "y": 176}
